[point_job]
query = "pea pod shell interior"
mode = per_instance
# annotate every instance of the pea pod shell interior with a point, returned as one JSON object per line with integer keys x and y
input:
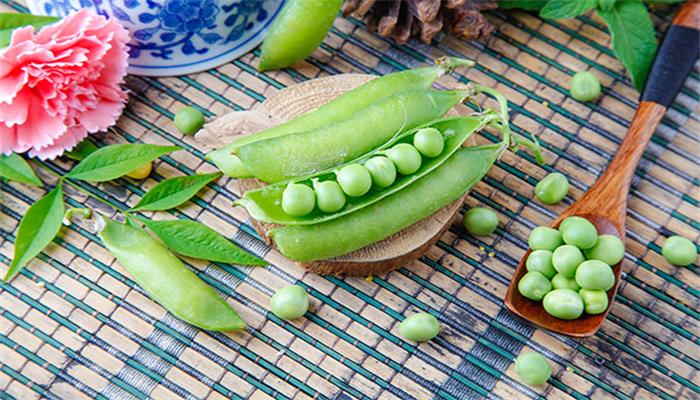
{"x": 264, "y": 204}
{"x": 378, "y": 221}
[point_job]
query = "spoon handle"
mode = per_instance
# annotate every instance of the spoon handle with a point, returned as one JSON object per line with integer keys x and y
{"x": 678, "y": 53}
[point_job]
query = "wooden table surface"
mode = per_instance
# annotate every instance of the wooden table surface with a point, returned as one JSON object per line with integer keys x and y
{"x": 74, "y": 325}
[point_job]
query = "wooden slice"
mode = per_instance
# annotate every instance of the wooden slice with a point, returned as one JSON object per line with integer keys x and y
{"x": 378, "y": 258}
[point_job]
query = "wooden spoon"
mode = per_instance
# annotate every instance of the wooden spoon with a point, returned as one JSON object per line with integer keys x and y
{"x": 605, "y": 203}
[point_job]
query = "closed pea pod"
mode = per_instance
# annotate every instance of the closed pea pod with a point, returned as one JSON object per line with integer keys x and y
{"x": 292, "y": 37}
{"x": 338, "y": 109}
{"x": 264, "y": 204}
{"x": 183, "y": 294}
{"x": 306, "y": 153}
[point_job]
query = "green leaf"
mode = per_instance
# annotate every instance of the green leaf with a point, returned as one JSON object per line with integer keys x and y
{"x": 172, "y": 192}
{"x": 37, "y": 229}
{"x": 82, "y": 150}
{"x": 193, "y": 239}
{"x": 524, "y": 4}
{"x": 556, "y": 9}
{"x": 11, "y": 21}
{"x": 15, "y": 168}
{"x": 633, "y": 39}
{"x": 117, "y": 160}
{"x": 606, "y": 5}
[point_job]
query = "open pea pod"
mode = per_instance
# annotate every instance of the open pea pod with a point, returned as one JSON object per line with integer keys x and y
{"x": 265, "y": 204}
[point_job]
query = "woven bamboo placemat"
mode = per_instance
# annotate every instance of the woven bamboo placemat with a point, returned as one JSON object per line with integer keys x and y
{"x": 74, "y": 325}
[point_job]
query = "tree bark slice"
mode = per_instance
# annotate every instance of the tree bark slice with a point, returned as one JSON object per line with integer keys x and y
{"x": 377, "y": 258}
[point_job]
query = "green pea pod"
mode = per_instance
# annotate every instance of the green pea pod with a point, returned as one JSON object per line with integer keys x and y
{"x": 265, "y": 204}
{"x": 391, "y": 214}
{"x": 297, "y": 32}
{"x": 306, "y": 153}
{"x": 167, "y": 280}
{"x": 340, "y": 108}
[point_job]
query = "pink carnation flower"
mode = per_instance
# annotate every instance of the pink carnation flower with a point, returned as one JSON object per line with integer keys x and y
{"x": 61, "y": 83}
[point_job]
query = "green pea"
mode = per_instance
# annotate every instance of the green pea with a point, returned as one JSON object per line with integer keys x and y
{"x": 563, "y": 304}
{"x": 382, "y": 170}
{"x": 329, "y": 196}
{"x": 291, "y": 37}
{"x": 579, "y": 232}
{"x": 544, "y": 238}
{"x": 188, "y": 120}
{"x": 534, "y": 285}
{"x": 595, "y": 301}
{"x": 406, "y": 158}
{"x": 595, "y": 274}
{"x": 585, "y": 86}
{"x": 566, "y": 259}
{"x": 290, "y": 302}
{"x": 541, "y": 261}
{"x": 429, "y": 142}
{"x": 569, "y": 220}
{"x": 608, "y": 249}
{"x": 419, "y": 327}
{"x": 559, "y": 281}
{"x": 679, "y": 251}
{"x": 552, "y": 188}
{"x": 480, "y": 221}
{"x": 166, "y": 279}
{"x": 354, "y": 179}
{"x": 298, "y": 199}
{"x": 532, "y": 368}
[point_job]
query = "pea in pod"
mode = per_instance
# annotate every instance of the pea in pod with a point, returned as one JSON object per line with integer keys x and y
{"x": 265, "y": 204}
{"x": 183, "y": 294}
{"x": 340, "y": 108}
{"x": 391, "y": 214}
{"x": 305, "y": 153}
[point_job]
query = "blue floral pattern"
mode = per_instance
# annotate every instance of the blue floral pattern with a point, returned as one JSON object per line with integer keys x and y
{"x": 169, "y": 29}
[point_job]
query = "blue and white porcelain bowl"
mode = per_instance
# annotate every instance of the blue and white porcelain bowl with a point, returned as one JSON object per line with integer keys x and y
{"x": 176, "y": 37}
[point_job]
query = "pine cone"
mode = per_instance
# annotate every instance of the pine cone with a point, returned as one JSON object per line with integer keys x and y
{"x": 401, "y": 19}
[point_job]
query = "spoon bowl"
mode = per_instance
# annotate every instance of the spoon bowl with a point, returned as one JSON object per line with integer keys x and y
{"x": 533, "y": 311}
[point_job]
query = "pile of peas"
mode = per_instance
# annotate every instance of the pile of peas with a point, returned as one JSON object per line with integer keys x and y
{"x": 570, "y": 269}
{"x": 355, "y": 180}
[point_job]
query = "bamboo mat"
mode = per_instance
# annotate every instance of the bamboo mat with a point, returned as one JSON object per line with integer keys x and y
{"x": 74, "y": 325}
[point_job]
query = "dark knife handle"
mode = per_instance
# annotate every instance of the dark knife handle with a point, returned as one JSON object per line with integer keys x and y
{"x": 678, "y": 53}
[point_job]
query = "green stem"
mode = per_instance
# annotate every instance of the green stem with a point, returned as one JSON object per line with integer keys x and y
{"x": 532, "y": 145}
